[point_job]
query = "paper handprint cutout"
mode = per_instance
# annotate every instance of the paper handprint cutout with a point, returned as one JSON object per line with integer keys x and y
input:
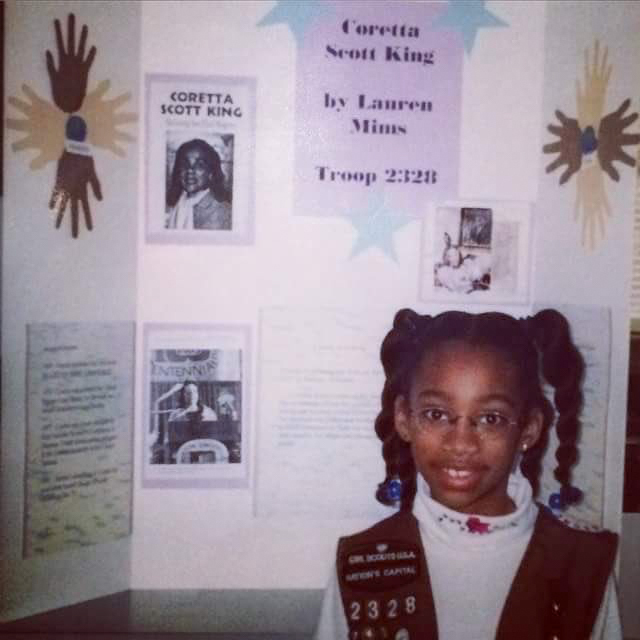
{"x": 72, "y": 127}
{"x": 591, "y": 144}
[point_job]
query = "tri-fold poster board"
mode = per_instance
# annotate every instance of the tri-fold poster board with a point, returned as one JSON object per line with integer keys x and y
{"x": 194, "y": 409}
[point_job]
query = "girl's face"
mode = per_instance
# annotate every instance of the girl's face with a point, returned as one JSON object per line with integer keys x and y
{"x": 195, "y": 173}
{"x": 467, "y": 467}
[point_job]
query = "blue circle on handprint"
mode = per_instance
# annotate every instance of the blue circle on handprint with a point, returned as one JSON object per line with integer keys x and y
{"x": 76, "y": 129}
{"x": 588, "y": 140}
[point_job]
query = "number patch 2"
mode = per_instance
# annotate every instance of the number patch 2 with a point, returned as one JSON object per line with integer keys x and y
{"x": 373, "y": 610}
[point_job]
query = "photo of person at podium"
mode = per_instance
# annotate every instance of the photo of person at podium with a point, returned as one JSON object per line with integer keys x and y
{"x": 193, "y": 432}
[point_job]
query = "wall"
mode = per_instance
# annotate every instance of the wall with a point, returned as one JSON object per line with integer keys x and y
{"x": 239, "y": 550}
{"x": 505, "y": 112}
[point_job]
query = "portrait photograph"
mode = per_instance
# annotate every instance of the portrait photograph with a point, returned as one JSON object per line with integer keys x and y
{"x": 199, "y": 181}
{"x": 196, "y": 415}
{"x": 465, "y": 242}
{"x": 476, "y": 252}
{"x": 200, "y": 141}
{"x": 475, "y": 227}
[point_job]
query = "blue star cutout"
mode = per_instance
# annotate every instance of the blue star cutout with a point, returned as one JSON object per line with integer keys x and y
{"x": 467, "y": 16}
{"x": 298, "y": 14}
{"x": 376, "y": 225}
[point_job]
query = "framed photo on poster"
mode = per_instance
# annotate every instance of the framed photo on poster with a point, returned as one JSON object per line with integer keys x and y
{"x": 200, "y": 144}
{"x": 477, "y": 252}
{"x": 196, "y": 405}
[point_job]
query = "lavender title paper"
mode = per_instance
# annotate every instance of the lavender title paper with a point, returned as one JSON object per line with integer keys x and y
{"x": 378, "y": 109}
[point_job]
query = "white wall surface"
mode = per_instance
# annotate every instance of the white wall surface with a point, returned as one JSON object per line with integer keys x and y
{"x": 218, "y": 541}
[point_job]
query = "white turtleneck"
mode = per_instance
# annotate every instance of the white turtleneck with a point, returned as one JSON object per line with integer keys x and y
{"x": 472, "y": 562}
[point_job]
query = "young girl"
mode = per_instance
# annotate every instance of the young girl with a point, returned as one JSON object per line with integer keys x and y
{"x": 469, "y": 555}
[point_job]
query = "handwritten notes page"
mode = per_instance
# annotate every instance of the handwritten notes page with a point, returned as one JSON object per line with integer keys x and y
{"x": 79, "y": 438}
{"x": 320, "y": 385}
{"x": 591, "y": 331}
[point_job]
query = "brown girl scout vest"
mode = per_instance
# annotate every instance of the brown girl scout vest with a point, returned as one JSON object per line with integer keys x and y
{"x": 556, "y": 593}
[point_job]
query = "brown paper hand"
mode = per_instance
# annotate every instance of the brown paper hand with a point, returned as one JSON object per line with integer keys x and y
{"x": 69, "y": 80}
{"x": 74, "y": 173}
{"x": 568, "y": 147}
{"x": 611, "y": 139}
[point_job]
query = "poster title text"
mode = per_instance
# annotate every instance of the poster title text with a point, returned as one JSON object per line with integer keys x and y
{"x": 197, "y": 103}
{"x": 389, "y": 53}
{"x": 364, "y": 104}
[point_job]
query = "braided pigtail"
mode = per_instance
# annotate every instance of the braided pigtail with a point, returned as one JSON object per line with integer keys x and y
{"x": 563, "y": 367}
{"x": 399, "y": 486}
{"x": 531, "y": 464}
{"x": 399, "y": 353}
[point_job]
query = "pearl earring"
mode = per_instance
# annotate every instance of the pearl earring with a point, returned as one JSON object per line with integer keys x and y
{"x": 524, "y": 447}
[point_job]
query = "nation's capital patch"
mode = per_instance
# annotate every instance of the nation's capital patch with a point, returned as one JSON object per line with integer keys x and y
{"x": 379, "y": 566}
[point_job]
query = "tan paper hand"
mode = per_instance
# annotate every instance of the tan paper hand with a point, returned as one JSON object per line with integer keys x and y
{"x": 43, "y": 125}
{"x": 592, "y": 204}
{"x": 590, "y": 102}
{"x": 103, "y": 120}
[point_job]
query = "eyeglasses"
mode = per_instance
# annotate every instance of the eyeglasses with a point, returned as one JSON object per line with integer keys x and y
{"x": 487, "y": 424}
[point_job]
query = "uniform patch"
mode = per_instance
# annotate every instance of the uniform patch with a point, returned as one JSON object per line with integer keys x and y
{"x": 380, "y": 566}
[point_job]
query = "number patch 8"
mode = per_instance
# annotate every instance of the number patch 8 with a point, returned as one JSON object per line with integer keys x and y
{"x": 372, "y": 610}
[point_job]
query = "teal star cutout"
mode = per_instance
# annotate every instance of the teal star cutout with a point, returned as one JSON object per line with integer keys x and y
{"x": 467, "y": 16}
{"x": 298, "y": 14}
{"x": 376, "y": 225}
